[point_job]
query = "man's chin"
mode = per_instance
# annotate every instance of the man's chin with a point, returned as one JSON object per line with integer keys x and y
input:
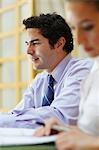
{"x": 37, "y": 67}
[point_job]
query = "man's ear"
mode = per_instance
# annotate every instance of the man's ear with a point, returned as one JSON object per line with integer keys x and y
{"x": 60, "y": 43}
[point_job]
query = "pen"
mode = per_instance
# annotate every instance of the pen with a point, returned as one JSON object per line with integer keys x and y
{"x": 55, "y": 128}
{"x": 40, "y": 123}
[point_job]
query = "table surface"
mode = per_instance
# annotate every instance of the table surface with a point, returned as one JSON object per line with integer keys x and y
{"x": 30, "y": 147}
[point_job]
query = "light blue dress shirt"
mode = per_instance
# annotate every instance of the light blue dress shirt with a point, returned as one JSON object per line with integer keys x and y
{"x": 68, "y": 75}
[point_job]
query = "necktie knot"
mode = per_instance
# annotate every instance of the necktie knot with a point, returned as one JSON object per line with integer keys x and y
{"x": 50, "y": 80}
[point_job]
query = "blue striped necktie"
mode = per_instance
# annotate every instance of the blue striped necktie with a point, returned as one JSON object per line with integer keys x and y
{"x": 49, "y": 95}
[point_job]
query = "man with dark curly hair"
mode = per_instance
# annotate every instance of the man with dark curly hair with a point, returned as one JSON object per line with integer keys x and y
{"x": 56, "y": 91}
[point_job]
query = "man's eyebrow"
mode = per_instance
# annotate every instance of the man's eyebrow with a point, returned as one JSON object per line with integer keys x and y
{"x": 34, "y": 40}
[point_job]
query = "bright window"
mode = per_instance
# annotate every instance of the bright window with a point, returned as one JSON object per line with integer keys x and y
{"x": 15, "y": 70}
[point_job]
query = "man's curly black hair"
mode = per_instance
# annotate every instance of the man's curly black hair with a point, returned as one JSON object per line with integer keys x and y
{"x": 51, "y": 26}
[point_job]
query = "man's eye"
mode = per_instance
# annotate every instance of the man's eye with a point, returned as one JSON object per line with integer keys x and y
{"x": 32, "y": 43}
{"x": 35, "y": 43}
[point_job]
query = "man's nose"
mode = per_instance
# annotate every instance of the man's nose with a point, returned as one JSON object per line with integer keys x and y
{"x": 30, "y": 50}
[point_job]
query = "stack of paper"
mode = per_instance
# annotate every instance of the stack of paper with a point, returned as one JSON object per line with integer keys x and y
{"x": 22, "y": 136}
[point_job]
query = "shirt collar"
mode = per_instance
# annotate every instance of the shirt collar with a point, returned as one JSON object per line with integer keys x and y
{"x": 57, "y": 72}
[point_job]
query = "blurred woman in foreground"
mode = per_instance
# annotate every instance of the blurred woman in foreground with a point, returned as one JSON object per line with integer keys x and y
{"x": 83, "y": 19}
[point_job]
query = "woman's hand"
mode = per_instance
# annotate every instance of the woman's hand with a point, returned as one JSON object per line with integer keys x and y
{"x": 75, "y": 139}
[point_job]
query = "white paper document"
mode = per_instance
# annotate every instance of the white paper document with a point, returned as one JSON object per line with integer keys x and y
{"x": 22, "y": 136}
{"x": 16, "y": 132}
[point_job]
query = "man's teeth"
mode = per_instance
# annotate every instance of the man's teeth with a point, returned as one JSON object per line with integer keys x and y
{"x": 34, "y": 58}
